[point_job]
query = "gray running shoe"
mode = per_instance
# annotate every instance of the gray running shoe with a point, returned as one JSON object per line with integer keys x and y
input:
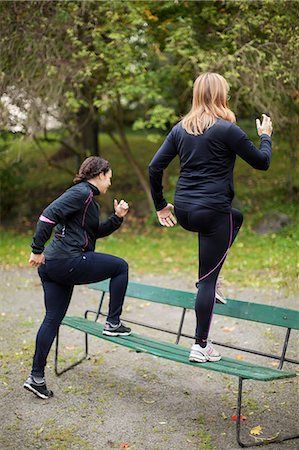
{"x": 39, "y": 389}
{"x": 116, "y": 330}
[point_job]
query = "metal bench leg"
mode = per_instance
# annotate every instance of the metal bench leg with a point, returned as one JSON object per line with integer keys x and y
{"x": 57, "y": 372}
{"x": 284, "y": 350}
{"x": 180, "y": 326}
{"x": 277, "y": 438}
{"x": 97, "y": 313}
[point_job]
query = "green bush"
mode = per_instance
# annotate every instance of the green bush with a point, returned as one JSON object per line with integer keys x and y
{"x": 12, "y": 176}
{"x": 11, "y": 182}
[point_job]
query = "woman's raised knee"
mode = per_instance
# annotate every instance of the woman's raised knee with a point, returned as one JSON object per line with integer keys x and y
{"x": 123, "y": 265}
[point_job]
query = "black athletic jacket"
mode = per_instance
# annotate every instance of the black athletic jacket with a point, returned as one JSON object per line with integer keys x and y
{"x": 207, "y": 162}
{"x": 75, "y": 216}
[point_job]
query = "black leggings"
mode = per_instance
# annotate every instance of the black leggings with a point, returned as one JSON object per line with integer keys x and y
{"x": 216, "y": 233}
{"x": 58, "y": 277}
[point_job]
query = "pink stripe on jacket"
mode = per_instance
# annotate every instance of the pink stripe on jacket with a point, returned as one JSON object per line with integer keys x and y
{"x": 45, "y": 219}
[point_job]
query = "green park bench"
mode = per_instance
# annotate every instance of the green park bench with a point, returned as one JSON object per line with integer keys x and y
{"x": 270, "y": 315}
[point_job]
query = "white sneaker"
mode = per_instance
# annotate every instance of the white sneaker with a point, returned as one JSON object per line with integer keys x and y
{"x": 219, "y": 295}
{"x": 203, "y": 354}
{"x": 219, "y": 299}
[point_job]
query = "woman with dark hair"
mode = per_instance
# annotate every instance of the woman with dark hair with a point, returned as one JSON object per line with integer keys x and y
{"x": 70, "y": 259}
{"x": 207, "y": 142}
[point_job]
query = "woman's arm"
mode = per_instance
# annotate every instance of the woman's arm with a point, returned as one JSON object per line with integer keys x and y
{"x": 160, "y": 161}
{"x": 113, "y": 222}
{"x": 240, "y": 144}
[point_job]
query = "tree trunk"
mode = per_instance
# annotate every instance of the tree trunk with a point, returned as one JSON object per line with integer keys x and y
{"x": 293, "y": 164}
{"x": 139, "y": 172}
{"x": 88, "y": 128}
{"x": 124, "y": 146}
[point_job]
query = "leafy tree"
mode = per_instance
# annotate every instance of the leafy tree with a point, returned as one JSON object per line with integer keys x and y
{"x": 253, "y": 44}
{"x": 85, "y": 63}
{"x": 118, "y": 64}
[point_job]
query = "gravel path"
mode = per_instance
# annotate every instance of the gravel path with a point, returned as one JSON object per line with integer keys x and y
{"x": 121, "y": 399}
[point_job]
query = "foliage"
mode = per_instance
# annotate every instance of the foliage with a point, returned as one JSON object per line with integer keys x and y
{"x": 42, "y": 183}
{"x": 8, "y": 184}
{"x": 253, "y": 44}
{"x": 94, "y": 69}
{"x": 119, "y": 64}
{"x": 11, "y": 178}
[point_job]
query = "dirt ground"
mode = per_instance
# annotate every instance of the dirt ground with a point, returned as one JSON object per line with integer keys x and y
{"x": 122, "y": 399}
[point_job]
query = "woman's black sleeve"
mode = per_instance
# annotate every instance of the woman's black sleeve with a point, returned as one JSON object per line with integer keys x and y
{"x": 160, "y": 161}
{"x": 240, "y": 144}
{"x": 109, "y": 226}
{"x": 69, "y": 202}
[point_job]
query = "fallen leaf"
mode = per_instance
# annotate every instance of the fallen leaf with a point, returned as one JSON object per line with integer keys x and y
{"x": 124, "y": 446}
{"x": 149, "y": 402}
{"x": 256, "y": 431}
{"x": 234, "y": 418}
{"x": 168, "y": 259}
{"x": 239, "y": 357}
{"x": 228, "y": 329}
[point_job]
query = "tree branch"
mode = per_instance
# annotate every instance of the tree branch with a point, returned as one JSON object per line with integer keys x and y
{"x": 50, "y": 163}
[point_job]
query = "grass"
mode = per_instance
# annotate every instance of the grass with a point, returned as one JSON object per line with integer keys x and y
{"x": 255, "y": 260}
{"x": 60, "y": 438}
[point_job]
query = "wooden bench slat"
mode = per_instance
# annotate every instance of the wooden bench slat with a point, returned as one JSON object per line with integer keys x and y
{"x": 178, "y": 353}
{"x": 271, "y": 315}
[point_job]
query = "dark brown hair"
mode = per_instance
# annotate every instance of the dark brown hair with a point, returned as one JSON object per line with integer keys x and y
{"x": 90, "y": 168}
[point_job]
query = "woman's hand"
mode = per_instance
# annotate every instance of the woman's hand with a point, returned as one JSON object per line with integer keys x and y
{"x": 36, "y": 260}
{"x": 121, "y": 208}
{"x": 165, "y": 216}
{"x": 265, "y": 127}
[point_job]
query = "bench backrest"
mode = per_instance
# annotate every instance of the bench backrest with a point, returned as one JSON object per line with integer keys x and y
{"x": 271, "y": 315}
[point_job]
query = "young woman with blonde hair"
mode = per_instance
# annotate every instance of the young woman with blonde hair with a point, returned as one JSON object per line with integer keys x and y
{"x": 207, "y": 141}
